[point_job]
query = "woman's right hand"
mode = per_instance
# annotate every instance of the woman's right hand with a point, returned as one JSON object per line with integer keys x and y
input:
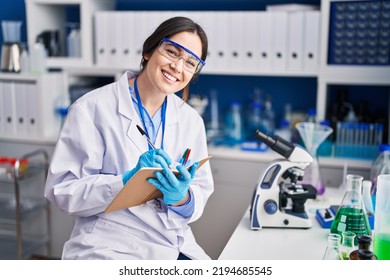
{"x": 151, "y": 158}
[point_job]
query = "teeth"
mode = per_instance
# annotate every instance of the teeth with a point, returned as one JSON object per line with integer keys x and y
{"x": 169, "y": 76}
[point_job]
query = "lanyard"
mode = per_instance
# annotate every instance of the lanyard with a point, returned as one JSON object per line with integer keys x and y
{"x": 141, "y": 111}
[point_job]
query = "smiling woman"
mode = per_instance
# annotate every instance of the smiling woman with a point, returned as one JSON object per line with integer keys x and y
{"x": 110, "y": 150}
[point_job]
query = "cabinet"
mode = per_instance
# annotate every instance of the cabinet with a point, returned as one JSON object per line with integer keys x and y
{"x": 44, "y": 15}
{"x": 349, "y": 74}
{"x": 27, "y": 106}
{"x": 24, "y": 212}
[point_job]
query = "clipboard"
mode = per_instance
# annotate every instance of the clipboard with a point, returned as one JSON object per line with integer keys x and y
{"x": 138, "y": 191}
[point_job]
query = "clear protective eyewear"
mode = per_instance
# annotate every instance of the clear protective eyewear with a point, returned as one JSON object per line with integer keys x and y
{"x": 174, "y": 52}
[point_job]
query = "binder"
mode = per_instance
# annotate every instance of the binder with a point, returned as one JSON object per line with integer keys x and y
{"x": 265, "y": 41}
{"x": 222, "y": 40}
{"x": 295, "y": 41}
{"x": 251, "y": 52}
{"x": 208, "y": 23}
{"x": 9, "y": 108}
{"x": 235, "y": 35}
{"x": 2, "y": 113}
{"x": 311, "y": 41}
{"x": 138, "y": 191}
{"x": 21, "y": 108}
{"x": 126, "y": 39}
{"x": 101, "y": 38}
{"x": 280, "y": 40}
{"x": 114, "y": 44}
{"x": 32, "y": 109}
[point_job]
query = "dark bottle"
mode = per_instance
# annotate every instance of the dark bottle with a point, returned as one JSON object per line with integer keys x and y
{"x": 362, "y": 253}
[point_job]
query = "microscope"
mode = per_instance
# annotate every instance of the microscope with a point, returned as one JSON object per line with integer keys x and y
{"x": 279, "y": 199}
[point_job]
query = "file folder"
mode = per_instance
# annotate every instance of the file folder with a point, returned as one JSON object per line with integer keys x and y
{"x": 9, "y": 108}
{"x": 265, "y": 41}
{"x": 295, "y": 41}
{"x": 101, "y": 38}
{"x": 2, "y": 113}
{"x": 21, "y": 108}
{"x": 235, "y": 21}
{"x": 280, "y": 40}
{"x": 311, "y": 41}
{"x": 222, "y": 40}
{"x": 251, "y": 39}
{"x": 208, "y": 23}
{"x": 32, "y": 109}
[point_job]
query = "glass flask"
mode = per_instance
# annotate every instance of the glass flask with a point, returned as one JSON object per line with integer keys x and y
{"x": 347, "y": 244}
{"x": 332, "y": 251}
{"x": 312, "y": 135}
{"x": 351, "y": 215}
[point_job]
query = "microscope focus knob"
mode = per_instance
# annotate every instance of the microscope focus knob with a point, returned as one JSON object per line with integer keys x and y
{"x": 270, "y": 206}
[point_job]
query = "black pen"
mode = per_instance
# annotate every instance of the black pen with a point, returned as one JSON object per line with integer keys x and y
{"x": 146, "y": 136}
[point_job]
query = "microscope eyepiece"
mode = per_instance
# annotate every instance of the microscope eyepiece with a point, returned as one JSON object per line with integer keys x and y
{"x": 276, "y": 143}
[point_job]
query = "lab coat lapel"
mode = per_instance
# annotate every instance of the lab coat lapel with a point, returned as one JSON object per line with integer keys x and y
{"x": 127, "y": 110}
{"x": 171, "y": 124}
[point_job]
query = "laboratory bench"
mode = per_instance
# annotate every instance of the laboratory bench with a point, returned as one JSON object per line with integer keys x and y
{"x": 282, "y": 243}
{"x": 236, "y": 173}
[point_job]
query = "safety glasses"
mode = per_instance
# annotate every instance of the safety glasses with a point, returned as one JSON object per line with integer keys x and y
{"x": 174, "y": 52}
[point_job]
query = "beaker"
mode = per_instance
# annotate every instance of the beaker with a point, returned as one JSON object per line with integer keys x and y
{"x": 332, "y": 251}
{"x": 347, "y": 244}
{"x": 382, "y": 218}
{"x": 351, "y": 215}
{"x": 313, "y": 135}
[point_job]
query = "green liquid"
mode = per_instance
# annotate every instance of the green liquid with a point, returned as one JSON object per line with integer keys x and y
{"x": 351, "y": 219}
{"x": 382, "y": 246}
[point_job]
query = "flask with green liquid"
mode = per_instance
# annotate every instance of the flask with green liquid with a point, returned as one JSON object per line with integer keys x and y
{"x": 351, "y": 215}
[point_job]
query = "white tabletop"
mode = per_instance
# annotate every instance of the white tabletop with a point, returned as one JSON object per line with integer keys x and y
{"x": 282, "y": 244}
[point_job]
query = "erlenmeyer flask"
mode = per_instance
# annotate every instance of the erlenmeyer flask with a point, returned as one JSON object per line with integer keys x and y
{"x": 313, "y": 135}
{"x": 351, "y": 215}
{"x": 332, "y": 251}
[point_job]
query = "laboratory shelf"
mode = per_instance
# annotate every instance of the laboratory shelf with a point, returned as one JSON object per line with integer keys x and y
{"x": 30, "y": 244}
{"x": 21, "y": 195}
{"x": 28, "y": 205}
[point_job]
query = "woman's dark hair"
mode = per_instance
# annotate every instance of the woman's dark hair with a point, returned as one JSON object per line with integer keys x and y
{"x": 169, "y": 28}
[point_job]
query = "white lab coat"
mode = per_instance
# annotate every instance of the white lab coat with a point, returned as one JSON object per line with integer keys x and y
{"x": 98, "y": 142}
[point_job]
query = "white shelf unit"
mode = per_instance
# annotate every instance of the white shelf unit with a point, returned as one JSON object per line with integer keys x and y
{"x": 363, "y": 75}
{"x": 51, "y": 15}
{"x": 28, "y": 102}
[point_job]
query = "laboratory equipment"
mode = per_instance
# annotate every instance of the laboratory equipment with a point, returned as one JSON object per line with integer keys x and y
{"x": 351, "y": 215}
{"x": 12, "y": 48}
{"x": 313, "y": 135}
{"x": 364, "y": 243}
{"x": 277, "y": 202}
{"x": 233, "y": 125}
{"x": 22, "y": 205}
{"x": 381, "y": 165}
{"x": 382, "y": 218}
{"x": 347, "y": 244}
{"x": 332, "y": 251}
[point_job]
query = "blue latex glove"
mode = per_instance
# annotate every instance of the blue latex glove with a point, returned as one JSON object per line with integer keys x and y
{"x": 174, "y": 188}
{"x": 152, "y": 158}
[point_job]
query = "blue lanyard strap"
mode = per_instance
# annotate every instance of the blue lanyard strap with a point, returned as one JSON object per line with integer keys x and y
{"x": 141, "y": 111}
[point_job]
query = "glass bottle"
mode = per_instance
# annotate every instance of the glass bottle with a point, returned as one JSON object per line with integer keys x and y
{"x": 382, "y": 218}
{"x": 381, "y": 165}
{"x": 347, "y": 244}
{"x": 351, "y": 215}
{"x": 332, "y": 251}
{"x": 364, "y": 243}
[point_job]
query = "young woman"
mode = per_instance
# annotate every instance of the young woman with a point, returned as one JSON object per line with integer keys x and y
{"x": 100, "y": 148}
